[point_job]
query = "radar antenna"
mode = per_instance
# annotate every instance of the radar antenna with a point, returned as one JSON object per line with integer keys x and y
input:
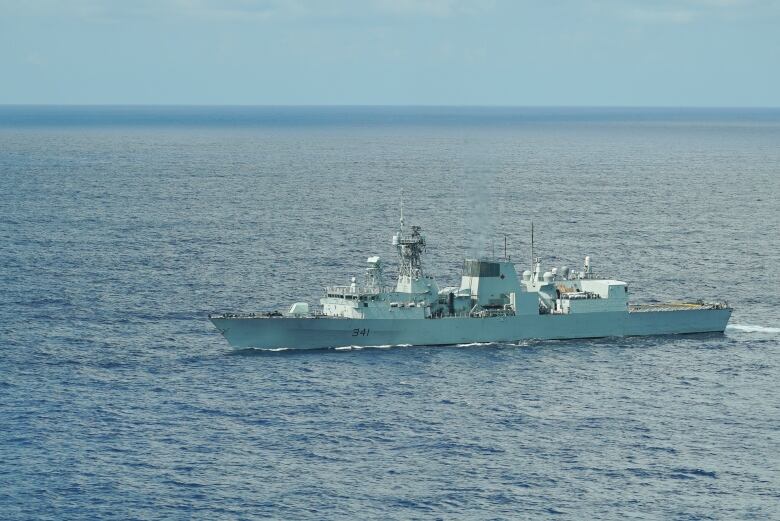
{"x": 410, "y": 249}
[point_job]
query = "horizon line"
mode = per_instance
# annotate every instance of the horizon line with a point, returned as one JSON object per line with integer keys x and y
{"x": 388, "y": 105}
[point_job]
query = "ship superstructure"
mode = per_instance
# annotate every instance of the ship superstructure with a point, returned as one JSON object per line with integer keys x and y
{"x": 491, "y": 304}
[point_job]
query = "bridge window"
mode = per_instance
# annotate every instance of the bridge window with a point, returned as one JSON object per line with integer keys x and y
{"x": 475, "y": 268}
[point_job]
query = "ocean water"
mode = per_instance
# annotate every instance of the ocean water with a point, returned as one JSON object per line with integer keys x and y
{"x": 121, "y": 228}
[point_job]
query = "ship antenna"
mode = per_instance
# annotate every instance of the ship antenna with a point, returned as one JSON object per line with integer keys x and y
{"x": 533, "y": 258}
{"x": 505, "y": 257}
{"x": 402, "y": 210}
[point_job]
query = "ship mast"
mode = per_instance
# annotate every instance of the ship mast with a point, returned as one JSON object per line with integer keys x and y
{"x": 410, "y": 249}
{"x": 401, "y": 232}
{"x": 535, "y": 264}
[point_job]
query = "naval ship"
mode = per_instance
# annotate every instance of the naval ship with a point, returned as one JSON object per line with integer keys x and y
{"x": 492, "y": 304}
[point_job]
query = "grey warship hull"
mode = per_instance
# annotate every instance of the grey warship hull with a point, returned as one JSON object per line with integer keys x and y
{"x": 248, "y": 331}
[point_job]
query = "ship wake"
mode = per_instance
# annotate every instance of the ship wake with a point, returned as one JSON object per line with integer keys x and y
{"x": 750, "y": 328}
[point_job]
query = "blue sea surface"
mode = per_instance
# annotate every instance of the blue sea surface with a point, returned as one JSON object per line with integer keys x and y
{"x": 121, "y": 228}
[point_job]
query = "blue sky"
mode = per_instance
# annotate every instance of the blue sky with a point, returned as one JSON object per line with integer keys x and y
{"x": 424, "y": 52}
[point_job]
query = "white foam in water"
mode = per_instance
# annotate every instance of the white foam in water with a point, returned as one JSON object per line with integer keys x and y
{"x": 382, "y": 346}
{"x": 753, "y": 329}
{"x": 349, "y": 348}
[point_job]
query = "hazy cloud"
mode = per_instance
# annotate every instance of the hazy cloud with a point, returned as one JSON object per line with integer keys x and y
{"x": 431, "y": 7}
{"x": 656, "y": 15}
{"x": 685, "y": 11}
{"x": 241, "y": 9}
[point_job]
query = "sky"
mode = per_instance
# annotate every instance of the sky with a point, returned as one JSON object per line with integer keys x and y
{"x": 708, "y": 53}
